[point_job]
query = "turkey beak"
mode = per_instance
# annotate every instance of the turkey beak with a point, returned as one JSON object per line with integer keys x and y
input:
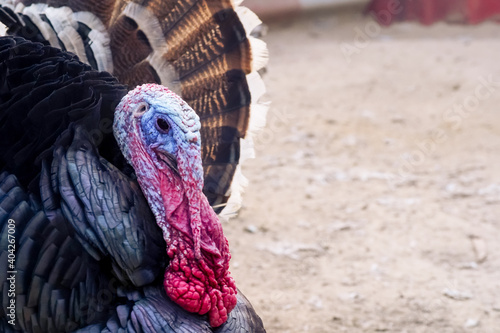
{"x": 168, "y": 159}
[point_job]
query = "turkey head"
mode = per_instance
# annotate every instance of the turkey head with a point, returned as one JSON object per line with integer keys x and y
{"x": 159, "y": 135}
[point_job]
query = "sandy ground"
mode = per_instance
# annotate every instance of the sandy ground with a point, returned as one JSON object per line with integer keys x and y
{"x": 374, "y": 200}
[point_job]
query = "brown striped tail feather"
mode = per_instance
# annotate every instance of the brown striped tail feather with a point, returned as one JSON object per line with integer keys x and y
{"x": 202, "y": 49}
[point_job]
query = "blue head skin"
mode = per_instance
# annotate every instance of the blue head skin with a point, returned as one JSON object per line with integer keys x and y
{"x": 153, "y": 118}
{"x": 156, "y": 128}
{"x": 159, "y": 135}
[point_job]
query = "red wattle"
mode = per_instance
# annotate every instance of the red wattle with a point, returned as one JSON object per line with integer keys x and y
{"x": 198, "y": 277}
{"x": 195, "y": 285}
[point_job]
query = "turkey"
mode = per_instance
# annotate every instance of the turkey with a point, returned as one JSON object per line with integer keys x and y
{"x": 111, "y": 184}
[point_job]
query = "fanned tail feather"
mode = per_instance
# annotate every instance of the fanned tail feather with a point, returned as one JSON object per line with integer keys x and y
{"x": 202, "y": 49}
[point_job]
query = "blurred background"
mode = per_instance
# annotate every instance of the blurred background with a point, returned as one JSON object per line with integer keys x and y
{"x": 373, "y": 203}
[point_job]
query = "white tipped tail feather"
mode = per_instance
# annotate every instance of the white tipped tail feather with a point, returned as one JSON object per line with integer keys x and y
{"x": 258, "y": 109}
{"x": 100, "y": 40}
{"x": 60, "y": 29}
{"x": 66, "y": 28}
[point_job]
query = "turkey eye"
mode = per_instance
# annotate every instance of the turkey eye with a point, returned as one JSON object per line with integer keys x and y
{"x": 162, "y": 125}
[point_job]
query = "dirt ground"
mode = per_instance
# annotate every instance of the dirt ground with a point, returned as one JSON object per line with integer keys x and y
{"x": 374, "y": 200}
